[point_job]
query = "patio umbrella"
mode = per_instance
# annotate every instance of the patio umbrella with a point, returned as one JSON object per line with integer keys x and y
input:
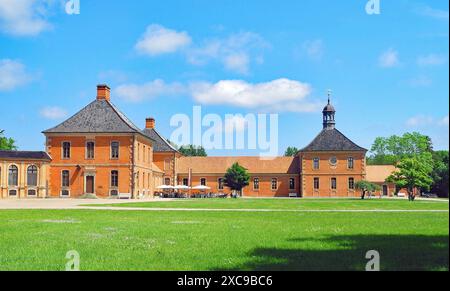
{"x": 181, "y": 187}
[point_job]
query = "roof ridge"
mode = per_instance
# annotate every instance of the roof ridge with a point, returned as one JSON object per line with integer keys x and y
{"x": 165, "y": 140}
{"x": 350, "y": 139}
{"x": 67, "y": 119}
{"x": 122, "y": 116}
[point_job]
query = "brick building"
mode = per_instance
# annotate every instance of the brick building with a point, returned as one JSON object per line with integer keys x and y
{"x": 100, "y": 152}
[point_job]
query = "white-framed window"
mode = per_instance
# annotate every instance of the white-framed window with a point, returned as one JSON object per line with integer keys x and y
{"x": 114, "y": 192}
{"x": 32, "y": 176}
{"x": 166, "y": 181}
{"x": 185, "y": 182}
{"x": 114, "y": 179}
{"x": 255, "y": 183}
{"x": 203, "y": 181}
{"x": 351, "y": 163}
{"x": 65, "y": 150}
{"x": 274, "y": 184}
{"x": 12, "y": 192}
{"x": 31, "y": 193}
{"x": 333, "y": 183}
{"x": 115, "y": 145}
{"x": 316, "y": 183}
{"x": 65, "y": 179}
{"x": 316, "y": 163}
{"x": 65, "y": 193}
{"x": 220, "y": 183}
{"x": 90, "y": 150}
{"x": 351, "y": 183}
{"x": 13, "y": 176}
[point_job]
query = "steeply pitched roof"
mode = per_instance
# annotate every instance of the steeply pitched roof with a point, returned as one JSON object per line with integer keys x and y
{"x": 24, "y": 155}
{"x": 254, "y": 165}
{"x": 332, "y": 140}
{"x": 100, "y": 116}
{"x": 160, "y": 144}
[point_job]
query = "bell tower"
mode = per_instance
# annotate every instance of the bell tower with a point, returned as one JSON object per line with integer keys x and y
{"x": 328, "y": 114}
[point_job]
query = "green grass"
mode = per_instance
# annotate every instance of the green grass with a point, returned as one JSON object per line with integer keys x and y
{"x": 183, "y": 240}
{"x": 292, "y": 204}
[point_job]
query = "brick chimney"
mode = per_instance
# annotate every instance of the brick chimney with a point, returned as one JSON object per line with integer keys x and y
{"x": 150, "y": 123}
{"x": 103, "y": 92}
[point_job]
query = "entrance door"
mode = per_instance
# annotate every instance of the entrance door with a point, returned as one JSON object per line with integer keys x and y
{"x": 385, "y": 190}
{"x": 90, "y": 184}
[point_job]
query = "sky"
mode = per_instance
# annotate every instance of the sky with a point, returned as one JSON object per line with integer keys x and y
{"x": 388, "y": 71}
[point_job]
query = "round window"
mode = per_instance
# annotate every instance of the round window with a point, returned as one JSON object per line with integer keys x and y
{"x": 333, "y": 161}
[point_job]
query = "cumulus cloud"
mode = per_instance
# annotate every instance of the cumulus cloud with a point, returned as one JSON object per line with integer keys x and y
{"x": 279, "y": 95}
{"x": 389, "y": 59}
{"x": 24, "y": 17}
{"x": 149, "y": 90}
{"x": 235, "y": 52}
{"x": 53, "y": 113}
{"x": 158, "y": 40}
{"x": 12, "y": 75}
{"x": 432, "y": 60}
{"x": 276, "y": 96}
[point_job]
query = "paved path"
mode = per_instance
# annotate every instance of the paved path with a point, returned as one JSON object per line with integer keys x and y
{"x": 71, "y": 204}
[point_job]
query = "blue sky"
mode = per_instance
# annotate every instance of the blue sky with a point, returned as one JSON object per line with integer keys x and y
{"x": 388, "y": 72}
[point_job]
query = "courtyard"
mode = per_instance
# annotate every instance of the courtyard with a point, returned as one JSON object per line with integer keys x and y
{"x": 228, "y": 234}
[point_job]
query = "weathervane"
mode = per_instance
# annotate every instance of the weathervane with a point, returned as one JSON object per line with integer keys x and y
{"x": 329, "y": 95}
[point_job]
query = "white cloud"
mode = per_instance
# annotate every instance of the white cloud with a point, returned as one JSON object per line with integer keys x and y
{"x": 24, "y": 17}
{"x": 237, "y": 62}
{"x": 432, "y": 60}
{"x": 277, "y": 95}
{"x": 438, "y": 14}
{"x": 159, "y": 40}
{"x": 150, "y": 90}
{"x": 12, "y": 75}
{"x": 425, "y": 121}
{"x": 389, "y": 59}
{"x": 53, "y": 113}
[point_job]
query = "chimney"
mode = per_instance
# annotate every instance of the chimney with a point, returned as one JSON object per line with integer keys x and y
{"x": 103, "y": 92}
{"x": 150, "y": 123}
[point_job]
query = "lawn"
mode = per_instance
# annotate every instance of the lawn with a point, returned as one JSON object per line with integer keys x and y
{"x": 189, "y": 240}
{"x": 292, "y": 204}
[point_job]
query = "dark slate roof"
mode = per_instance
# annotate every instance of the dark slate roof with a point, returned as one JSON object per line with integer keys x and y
{"x": 332, "y": 140}
{"x": 160, "y": 144}
{"x": 24, "y": 155}
{"x": 100, "y": 116}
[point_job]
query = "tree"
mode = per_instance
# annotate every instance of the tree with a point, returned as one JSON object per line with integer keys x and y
{"x": 366, "y": 187}
{"x": 7, "y": 144}
{"x": 192, "y": 151}
{"x": 413, "y": 173}
{"x": 236, "y": 178}
{"x": 291, "y": 152}
{"x": 440, "y": 174}
{"x": 389, "y": 151}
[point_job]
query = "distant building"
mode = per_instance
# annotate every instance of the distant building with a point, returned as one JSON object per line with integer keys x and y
{"x": 100, "y": 152}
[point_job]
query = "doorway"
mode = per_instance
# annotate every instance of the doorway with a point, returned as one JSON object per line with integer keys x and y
{"x": 90, "y": 185}
{"x": 385, "y": 190}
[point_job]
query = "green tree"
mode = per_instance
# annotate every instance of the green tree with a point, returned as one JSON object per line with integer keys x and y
{"x": 366, "y": 187}
{"x": 7, "y": 144}
{"x": 291, "y": 152}
{"x": 390, "y": 150}
{"x": 192, "y": 151}
{"x": 413, "y": 173}
{"x": 236, "y": 178}
{"x": 440, "y": 174}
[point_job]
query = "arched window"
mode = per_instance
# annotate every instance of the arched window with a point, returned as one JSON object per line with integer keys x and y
{"x": 13, "y": 177}
{"x": 32, "y": 175}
